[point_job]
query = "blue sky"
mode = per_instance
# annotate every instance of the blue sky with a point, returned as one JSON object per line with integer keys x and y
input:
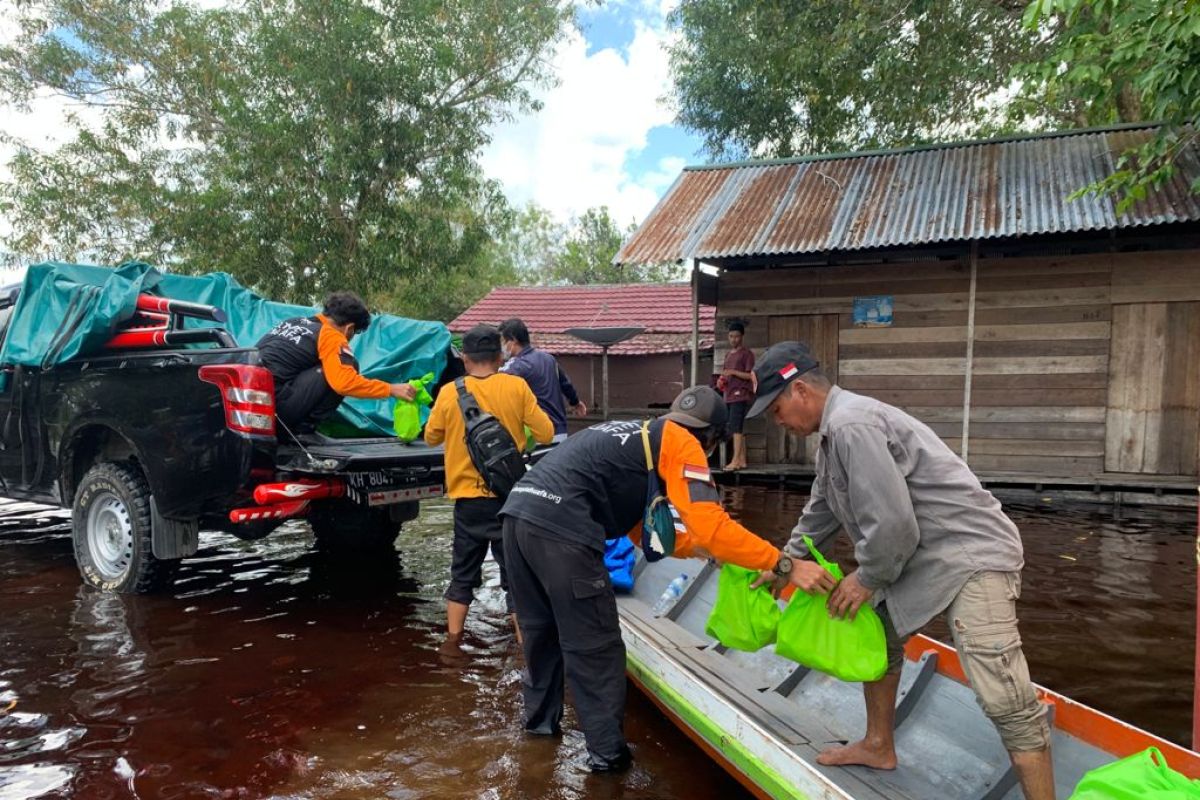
{"x": 606, "y": 134}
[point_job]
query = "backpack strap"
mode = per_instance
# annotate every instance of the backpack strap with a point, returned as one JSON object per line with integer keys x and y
{"x": 646, "y": 446}
{"x": 466, "y": 401}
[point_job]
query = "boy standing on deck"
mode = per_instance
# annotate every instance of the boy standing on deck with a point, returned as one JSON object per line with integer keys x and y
{"x": 737, "y": 377}
{"x": 476, "y": 524}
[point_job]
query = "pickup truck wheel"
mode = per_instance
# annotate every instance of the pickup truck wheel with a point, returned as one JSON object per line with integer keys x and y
{"x": 345, "y": 526}
{"x": 111, "y": 531}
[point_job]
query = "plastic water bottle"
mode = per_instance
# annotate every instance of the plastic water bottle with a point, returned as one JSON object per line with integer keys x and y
{"x": 670, "y": 595}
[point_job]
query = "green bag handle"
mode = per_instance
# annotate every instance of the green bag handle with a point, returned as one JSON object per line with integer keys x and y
{"x": 830, "y": 567}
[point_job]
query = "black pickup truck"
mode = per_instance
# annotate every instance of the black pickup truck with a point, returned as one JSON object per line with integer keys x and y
{"x": 151, "y": 441}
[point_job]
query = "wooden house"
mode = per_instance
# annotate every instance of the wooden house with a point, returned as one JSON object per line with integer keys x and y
{"x": 1038, "y": 336}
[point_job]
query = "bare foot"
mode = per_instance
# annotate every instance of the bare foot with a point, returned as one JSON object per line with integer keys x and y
{"x": 860, "y": 752}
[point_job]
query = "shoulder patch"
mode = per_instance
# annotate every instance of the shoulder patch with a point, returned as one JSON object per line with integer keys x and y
{"x": 703, "y": 492}
{"x": 695, "y": 473}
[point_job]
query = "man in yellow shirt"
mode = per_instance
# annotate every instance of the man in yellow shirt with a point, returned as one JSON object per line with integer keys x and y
{"x": 476, "y": 524}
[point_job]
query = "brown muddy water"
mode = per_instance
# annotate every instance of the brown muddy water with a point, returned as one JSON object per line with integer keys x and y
{"x": 273, "y": 672}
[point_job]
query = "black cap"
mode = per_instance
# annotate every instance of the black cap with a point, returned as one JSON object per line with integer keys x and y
{"x": 779, "y": 366}
{"x": 698, "y": 407}
{"x": 482, "y": 341}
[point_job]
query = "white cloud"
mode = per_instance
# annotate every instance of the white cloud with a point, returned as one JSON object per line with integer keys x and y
{"x": 572, "y": 155}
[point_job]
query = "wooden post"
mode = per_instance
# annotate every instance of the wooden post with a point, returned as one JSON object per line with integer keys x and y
{"x": 695, "y": 322}
{"x": 966, "y": 421}
{"x": 604, "y": 380}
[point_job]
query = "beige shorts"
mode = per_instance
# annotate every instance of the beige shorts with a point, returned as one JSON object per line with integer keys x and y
{"x": 983, "y": 620}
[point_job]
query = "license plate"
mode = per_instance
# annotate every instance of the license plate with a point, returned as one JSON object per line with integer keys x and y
{"x": 389, "y": 496}
{"x": 370, "y": 481}
{"x": 382, "y": 489}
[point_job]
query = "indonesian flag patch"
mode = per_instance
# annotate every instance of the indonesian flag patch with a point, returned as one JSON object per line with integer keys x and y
{"x": 694, "y": 473}
{"x": 788, "y": 372}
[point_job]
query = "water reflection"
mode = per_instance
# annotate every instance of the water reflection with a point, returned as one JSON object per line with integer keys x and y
{"x": 275, "y": 671}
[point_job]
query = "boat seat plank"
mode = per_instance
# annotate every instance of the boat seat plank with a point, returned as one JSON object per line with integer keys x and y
{"x": 664, "y": 632}
{"x": 909, "y": 695}
{"x": 692, "y": 591}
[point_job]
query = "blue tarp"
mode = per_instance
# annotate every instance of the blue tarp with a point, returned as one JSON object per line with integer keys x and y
{"x": 70, "y": 310}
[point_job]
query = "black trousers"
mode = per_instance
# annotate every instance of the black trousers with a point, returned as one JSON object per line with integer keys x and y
{"x": 305, "y": 400}
{"x": 476, "y": 528}
{"x": 568, "y": 616}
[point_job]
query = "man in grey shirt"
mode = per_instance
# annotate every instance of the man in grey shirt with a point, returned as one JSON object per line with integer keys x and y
{"x": 927, "y": 537}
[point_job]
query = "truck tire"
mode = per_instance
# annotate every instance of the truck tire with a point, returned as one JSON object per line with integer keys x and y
{"x": 111, "y": 531}
{"x": 343, "y": 526}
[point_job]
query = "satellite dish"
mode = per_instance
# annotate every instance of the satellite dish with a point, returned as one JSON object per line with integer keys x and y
{"x": 604, "y": 337}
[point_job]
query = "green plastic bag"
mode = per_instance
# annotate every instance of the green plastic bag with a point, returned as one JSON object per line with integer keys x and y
{"x": 407, "y": 413}
{"x": 1141, "y": 776}
{"x": 743, "y": 618}
{"x": 852, "y": 650}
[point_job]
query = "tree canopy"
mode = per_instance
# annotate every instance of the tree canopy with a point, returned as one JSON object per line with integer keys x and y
{"x": 781, "y": 78}
{"x": 302, "y": 146}
{"x": 1122, "y": 60}
{"x": 778, "y": 78}
{"x": 538, "y": 249}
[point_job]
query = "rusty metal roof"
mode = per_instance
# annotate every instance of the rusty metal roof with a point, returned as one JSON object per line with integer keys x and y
{"x": 972, "y": 190}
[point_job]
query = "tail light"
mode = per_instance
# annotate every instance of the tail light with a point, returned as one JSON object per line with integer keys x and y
{"x": 248, "y": 394}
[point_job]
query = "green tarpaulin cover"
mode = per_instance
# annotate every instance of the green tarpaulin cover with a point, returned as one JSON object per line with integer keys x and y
{"x": 70, "y": 310}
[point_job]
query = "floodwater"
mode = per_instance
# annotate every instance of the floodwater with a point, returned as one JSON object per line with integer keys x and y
{"x": 273, "y": 672}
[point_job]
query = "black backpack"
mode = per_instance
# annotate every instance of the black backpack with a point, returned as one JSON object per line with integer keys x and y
{"x": 490, "y": 445}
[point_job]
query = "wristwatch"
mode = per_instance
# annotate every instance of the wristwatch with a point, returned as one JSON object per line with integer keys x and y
{"x": 783, "y": 567}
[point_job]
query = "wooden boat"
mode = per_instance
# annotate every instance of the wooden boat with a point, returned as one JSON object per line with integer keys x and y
{"x": 764, "y": 718}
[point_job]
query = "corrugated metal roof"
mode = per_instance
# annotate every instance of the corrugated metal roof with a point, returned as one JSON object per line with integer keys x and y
{"x": 663, "y": 309}
{"x": 973, "y": 190}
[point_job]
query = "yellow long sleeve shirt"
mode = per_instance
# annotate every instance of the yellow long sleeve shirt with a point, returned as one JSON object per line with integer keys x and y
{"x": 508, "y": 399}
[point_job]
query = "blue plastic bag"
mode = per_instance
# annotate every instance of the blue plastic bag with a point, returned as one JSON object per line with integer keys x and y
{"x": 619, "y": 558}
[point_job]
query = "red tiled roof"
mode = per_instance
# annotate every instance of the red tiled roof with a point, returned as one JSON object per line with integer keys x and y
{"x": 562, "y": 344}
{"x": 663, "y": 309}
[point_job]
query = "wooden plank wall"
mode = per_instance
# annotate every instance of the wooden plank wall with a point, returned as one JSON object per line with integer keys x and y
{"x": 918, "y": 364}
{"x": 1154, "y": 393}
{"x": 1041, "y": 399}
{"x": 1040, "y": 372}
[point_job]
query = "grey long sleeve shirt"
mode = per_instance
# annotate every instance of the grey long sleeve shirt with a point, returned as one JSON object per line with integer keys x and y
{"x": 919, "y": 519}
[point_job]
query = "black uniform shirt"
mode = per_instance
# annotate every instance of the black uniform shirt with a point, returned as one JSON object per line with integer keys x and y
{"x": 591, "y": 486}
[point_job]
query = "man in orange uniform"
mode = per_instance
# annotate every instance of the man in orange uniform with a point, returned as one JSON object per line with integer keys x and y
{"x": 589, "y": 488}
{"x": 476, "y": 524}
{"x": 315, "y": 368}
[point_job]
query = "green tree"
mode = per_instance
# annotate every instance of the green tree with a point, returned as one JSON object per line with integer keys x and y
{"x": 588, "y": 251}
{"x": 531, "y": 244}
{"x": 781, "y": 78}
{"x": 301, "y": 145}
{"x": 1117, "y": 61}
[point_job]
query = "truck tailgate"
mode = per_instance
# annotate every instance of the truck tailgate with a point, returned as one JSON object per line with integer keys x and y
{"x": 320, "y": 455}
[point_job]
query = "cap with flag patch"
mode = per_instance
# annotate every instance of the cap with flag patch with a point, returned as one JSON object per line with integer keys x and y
{"x": 779, "y": 366}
